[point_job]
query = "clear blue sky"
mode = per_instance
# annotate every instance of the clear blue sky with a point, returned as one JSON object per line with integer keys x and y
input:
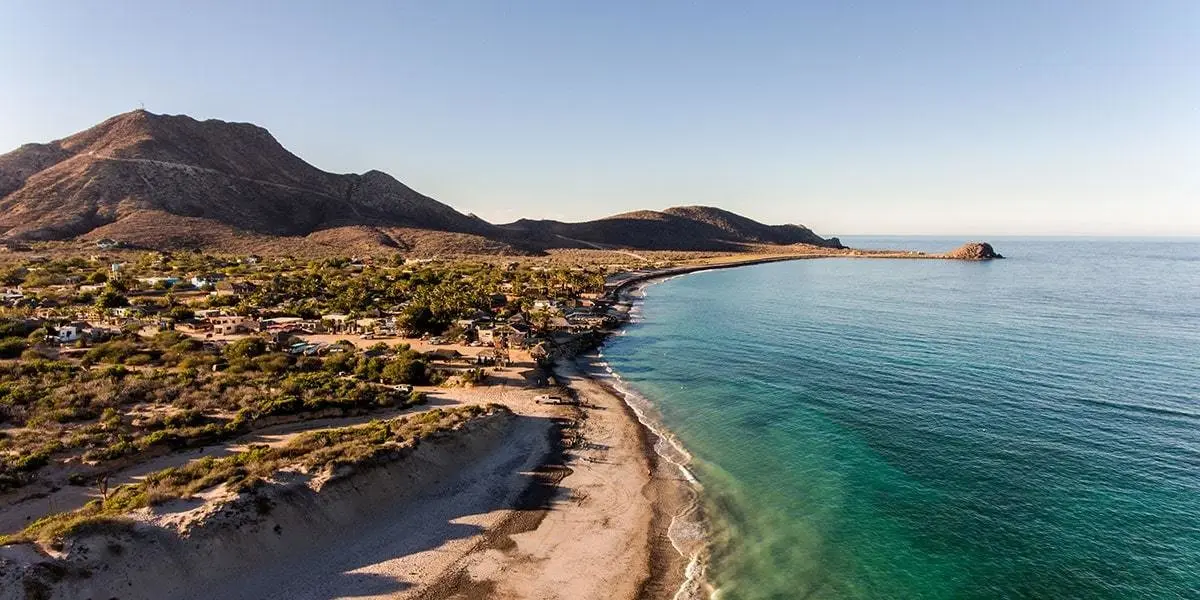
{"x": 960, "y": 117}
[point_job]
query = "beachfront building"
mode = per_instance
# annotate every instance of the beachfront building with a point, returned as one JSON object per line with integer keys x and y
{"x": 233, "y": 325}
{"x": 69, "y": 333}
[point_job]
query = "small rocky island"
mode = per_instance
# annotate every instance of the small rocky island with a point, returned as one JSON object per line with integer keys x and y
{"x": 974, "y": 251}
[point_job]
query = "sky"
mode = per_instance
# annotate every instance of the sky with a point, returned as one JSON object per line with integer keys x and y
{"x": 868, "y": 117}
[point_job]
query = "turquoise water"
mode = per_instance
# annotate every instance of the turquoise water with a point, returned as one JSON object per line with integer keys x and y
{"x": 1027, "y": 428}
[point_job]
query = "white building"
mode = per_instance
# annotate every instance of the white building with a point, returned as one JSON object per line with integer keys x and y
{"x": 233, "y": 325}
{"x": 68, "y": 333}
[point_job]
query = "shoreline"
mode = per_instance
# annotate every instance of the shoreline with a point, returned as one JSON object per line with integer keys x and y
{"x": 677, "y": 565}
{"x": 687, "y": 565}
{"x": 653, "y": 275}
{"x": 678, "y": 558}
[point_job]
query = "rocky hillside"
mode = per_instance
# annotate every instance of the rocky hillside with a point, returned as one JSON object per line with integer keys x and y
{"x": 137, "y": 164}
{"x": 163, "y": 181}
{"x": 679, "y": 228}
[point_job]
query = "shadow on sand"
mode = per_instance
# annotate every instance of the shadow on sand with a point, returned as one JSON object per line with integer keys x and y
{"x": 429, "y": 520}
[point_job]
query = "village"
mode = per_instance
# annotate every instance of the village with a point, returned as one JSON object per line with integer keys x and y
{"x": 78, "y": 303}
{"x": 127, "y": 353}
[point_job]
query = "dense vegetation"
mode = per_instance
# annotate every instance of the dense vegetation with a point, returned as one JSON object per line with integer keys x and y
{"x": 427, "y": 297}
{"x": 161, "y": 394}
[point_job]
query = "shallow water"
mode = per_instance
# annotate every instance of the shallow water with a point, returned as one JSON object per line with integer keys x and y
{"x": 1027, "y": 428}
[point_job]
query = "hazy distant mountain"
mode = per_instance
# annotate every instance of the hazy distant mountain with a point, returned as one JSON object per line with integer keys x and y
{"x": 171, "y": 181}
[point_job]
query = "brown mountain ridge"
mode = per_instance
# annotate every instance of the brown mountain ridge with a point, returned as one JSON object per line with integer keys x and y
{"x": 171, "y": 182}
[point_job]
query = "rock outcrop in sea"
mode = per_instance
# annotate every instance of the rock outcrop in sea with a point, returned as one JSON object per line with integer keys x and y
{"x": 974, "y": 251}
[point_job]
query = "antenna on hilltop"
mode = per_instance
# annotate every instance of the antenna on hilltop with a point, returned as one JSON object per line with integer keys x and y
{"x": 142, "y": 104}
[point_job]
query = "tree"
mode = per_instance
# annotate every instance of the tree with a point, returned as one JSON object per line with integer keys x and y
{"x": 181, "y": 313}
{"x": 11, "y": 347}
{"x": 403, "y": 370}
{"x": 340, "y": 362}
{"x": 370, "y": 368}
{"x": 111, "y": 298}
{"x": 273, "y": 364}
{"x": 245, "y": 348}
{"x": 419, "y": 319}
{"x": 39, "y": 335}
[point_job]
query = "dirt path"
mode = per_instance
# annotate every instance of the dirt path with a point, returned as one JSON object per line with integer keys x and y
{"x": 605, "y": 248}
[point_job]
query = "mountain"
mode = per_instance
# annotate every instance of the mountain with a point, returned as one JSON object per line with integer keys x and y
{"x": 679, "y": 228}
{"x": 164, "y": 181}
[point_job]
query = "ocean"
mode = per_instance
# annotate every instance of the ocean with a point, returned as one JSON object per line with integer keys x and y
{"x": 866, "y": 428}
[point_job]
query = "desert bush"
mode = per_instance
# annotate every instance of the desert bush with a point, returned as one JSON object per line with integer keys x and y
{"x": 12, "y": 347}
{"x": 245, "y": 348}
{"x": 116, "y": 351}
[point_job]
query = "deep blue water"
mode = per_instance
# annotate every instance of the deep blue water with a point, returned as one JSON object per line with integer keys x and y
{"x": 865, "y": 428}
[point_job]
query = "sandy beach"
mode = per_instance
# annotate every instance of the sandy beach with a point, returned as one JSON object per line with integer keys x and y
{"x": 609, "y": 529}
{"x": 567, "y": 502}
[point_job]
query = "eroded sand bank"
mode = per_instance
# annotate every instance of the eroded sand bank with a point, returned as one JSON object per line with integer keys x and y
{"x": 552, "y": 502}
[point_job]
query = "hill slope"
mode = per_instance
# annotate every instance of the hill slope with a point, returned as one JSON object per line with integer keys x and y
{"x": 148, "y": 171}
{"x": 679, "y": 228}
{"x": 167, "y": 181}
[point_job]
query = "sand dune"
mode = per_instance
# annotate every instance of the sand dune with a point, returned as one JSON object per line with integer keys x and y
{"x": 501, "y": 510}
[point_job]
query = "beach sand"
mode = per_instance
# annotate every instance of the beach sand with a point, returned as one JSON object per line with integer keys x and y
{"x": 571, "y": 502}
{"x": 605, "y": 533}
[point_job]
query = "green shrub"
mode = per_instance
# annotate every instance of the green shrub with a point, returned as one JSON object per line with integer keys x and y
{"x": 111, "y": 298}
{"x": 12, "y": 347}
{"x": 116, "y": 351}
{"x": 245, "y": 348}
{"x": 138, "y": 360}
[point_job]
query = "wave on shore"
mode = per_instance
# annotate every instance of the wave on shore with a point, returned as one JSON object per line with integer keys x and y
{"x": 689, "y": 528}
